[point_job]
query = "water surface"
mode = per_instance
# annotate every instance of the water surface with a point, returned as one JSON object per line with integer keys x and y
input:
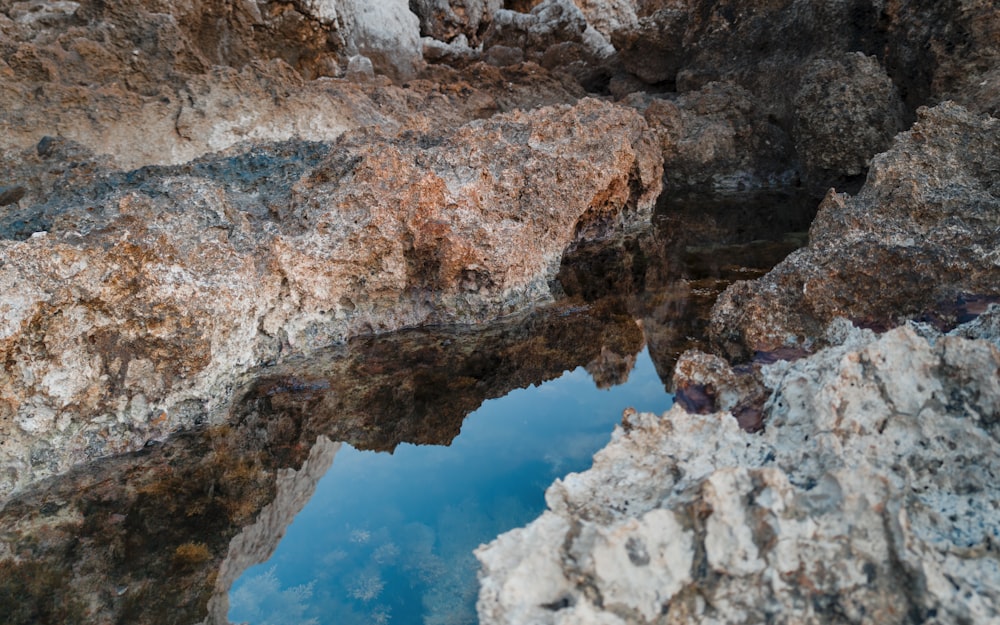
{"x": 160, "y": 536}
{"x": 389, "y": 537}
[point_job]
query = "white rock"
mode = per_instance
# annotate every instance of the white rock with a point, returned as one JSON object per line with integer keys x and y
{"x": 871, "y": 497}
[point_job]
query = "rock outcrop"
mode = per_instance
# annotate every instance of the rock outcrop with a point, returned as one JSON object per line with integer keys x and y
{"x": 920, "y": 237}
{"x": 142, "y": 297}
{"x": 871, "y": 496}
{"x": 837, "y": 80}
{"x": 189, "y": 190}
{"x": 718, "y": 138}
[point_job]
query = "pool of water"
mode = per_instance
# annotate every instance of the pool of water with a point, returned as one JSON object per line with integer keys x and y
{"x": 449, "y": 437}
{"x": 388, "y": 537}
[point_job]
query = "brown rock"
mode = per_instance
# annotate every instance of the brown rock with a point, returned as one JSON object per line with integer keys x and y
{"x": 845, "y": 111}
{"x": 803, "y": 64}
{"x": 153, "y": 290}
{"x": 718, "y": 138}
{"x": 922, "y": 232}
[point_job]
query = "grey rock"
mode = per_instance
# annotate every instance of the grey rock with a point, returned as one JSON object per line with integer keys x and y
{"x": 446, "y": 20}
{"x": 549, "y": 23}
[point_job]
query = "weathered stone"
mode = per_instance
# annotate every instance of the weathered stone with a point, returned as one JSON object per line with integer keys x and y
{"x": 549, "y": 23}
{"x": 609, "y": 16}
{"x": 706, "y": 384}
{"x": 387, "y": 32}
{"x": 845, "y": 112}
{"x": 456, "y": 53}
{"x": 718, "y": 138}
{"x": 803, "y": 63}
{"x": 147, "y": 294}
{"x": 446, "y": 20}
{"x": 908, "y": 243}
{"x": 653, "y": 50}
{"x": 869, "y": 496}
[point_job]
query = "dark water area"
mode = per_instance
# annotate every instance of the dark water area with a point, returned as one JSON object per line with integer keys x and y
{"x": 385, "y": 461}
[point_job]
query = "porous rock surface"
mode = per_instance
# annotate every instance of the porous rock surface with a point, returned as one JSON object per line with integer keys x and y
{"x": 871, "y": 497}
{"x": 923, "y": 232}
{"x": 142, "y": 297}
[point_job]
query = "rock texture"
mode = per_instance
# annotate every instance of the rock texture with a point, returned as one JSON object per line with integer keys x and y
{"x": 158, "y": 536}
{"x": 870, "y": 497}
{"x": 838, "y": 80}
{"x": 141, "y": 298}
{"x": 718, "y": 138}
{"x": 920, "y": 236}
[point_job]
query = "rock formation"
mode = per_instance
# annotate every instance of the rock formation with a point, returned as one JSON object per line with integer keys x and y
{"x": 839, "y": 510}
{"x": 869, "y": 493}
{"x": 835, "y": 81}
{"x": 141, "y": 298}
{"x": 907, "y": 245}
{"x": 191, "y": 190}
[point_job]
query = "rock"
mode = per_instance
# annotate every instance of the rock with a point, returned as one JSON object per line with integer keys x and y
{"x": 653, "y": 50}
{"x": 794, "y": 57}
{"x": 148, "y": 293}
{"x": 920, "y": 235}
{"x": 937, "y": 52}
{"x": 549, "y": 23}
{"x": 706, "y": 384}
{"x": 500, "y": 55}
{"x": 386, "y": 32}
{"x": 845, "y": 112}
{"x": 868, "y": 496}
{"x": 609, "y": 16}
{"x": 446, "y": 20}
{"x": 717, "y": 138}
{"x": 218, "y": 76}
{"x": 456, "y": 53}
{"x": 11, "y": 194}
{"x": 360, "y": 67}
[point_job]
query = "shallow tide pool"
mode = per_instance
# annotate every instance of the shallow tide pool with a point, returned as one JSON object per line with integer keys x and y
{"x": 388, "y": 537}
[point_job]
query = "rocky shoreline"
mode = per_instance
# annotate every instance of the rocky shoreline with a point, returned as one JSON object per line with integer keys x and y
{"x": 196, "y": 194}
{"x": 869, "y": 497}
{"x": 869, "y": 492}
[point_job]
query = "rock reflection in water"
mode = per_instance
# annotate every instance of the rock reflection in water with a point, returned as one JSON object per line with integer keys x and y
{"x": 670, "y": 276}
{"x": 393, "y": 535}
{"x": 149, "y": 537}
{"x": 142, "y": 538}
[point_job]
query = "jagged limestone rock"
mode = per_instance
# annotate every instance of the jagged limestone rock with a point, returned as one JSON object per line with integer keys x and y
{"x": 920, "y": 235}
{"x": 871, "y": 496}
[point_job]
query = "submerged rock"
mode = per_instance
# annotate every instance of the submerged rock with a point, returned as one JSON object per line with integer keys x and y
{"x": 146, "y": 294}
{"x": 871, "y": 496}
